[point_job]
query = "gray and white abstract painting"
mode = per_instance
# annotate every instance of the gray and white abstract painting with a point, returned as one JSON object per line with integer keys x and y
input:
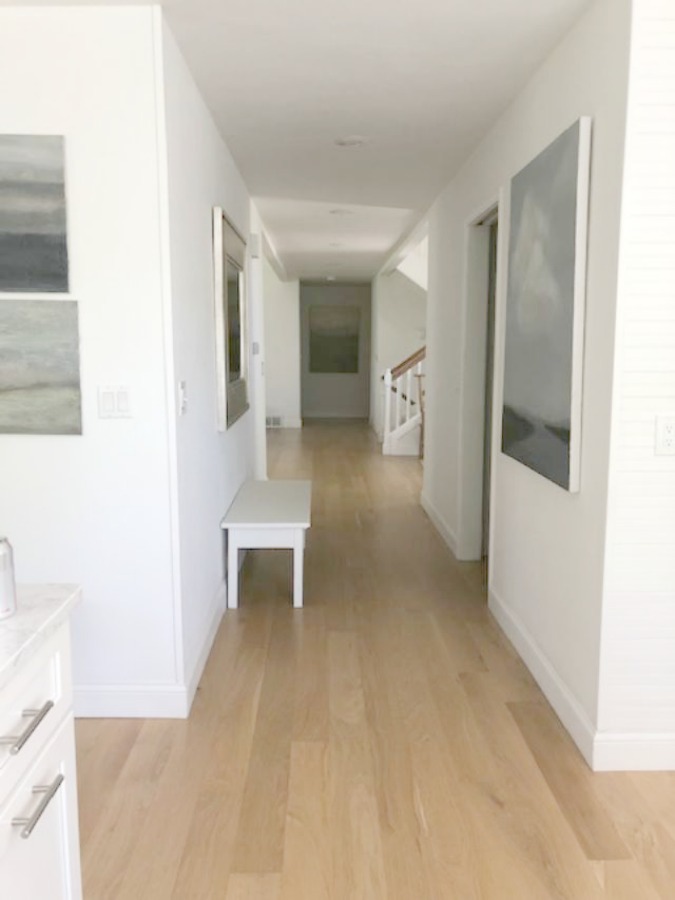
{"x": 33, "y": 245}
{"x": 39, "y": 367}
{"x": 334, "y": 339}
{"x": 539, "y": 380}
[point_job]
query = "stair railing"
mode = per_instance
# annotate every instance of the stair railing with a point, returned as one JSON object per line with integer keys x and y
{"x": 402, "y": 412}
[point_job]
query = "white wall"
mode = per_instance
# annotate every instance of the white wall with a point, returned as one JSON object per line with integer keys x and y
{"x": 399, "y": 311}
{"x": 637, "y": 690}
{"x": 282, "y": 347}
{"x": 416, "y": 264}
{"x": 256, "y": 309}
{"x": 546, "y": 552}
{"x": 211, "y": 466}
{"x": 130, "y": 509}
{"x": 96, "y": 509}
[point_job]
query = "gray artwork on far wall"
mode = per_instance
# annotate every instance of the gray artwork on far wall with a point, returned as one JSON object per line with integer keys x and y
{"x": 544, "y": 311}
{"x": 39, "y": 367}
{"x": 33, "y": 246}
{"x": 334, "y": 339}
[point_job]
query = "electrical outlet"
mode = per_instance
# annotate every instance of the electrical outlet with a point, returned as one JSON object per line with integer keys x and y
{"x": 665, "y": 436}
{"x": 182, "y": 398}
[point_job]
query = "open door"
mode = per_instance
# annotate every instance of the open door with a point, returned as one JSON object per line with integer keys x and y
{"x": 493, "y": 225}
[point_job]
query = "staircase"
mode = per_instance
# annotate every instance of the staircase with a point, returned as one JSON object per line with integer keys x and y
{"x": 404, "y": 407}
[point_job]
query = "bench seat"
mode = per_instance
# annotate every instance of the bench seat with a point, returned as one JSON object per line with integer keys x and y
{"x": 268, "y": 514}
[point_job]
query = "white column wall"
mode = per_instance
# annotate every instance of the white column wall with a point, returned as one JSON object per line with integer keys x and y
{"x": 210, "y": 465}
{"x": 96, "y": 509}
{"x": 282, "y": 347}
{"x": 547, "y": 546}
{"x": 636, "y": 725}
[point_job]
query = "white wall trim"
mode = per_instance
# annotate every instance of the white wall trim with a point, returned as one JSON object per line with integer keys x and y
{"x": 164, "y": 239}
{"x": 271, "y": 255}
{"x": 558, "y": 694}
{"x": 150, "y": 701}
{"x": 131, "y": 701}
{"x": 291, "y": 423}
{"x": 616, "y": 752}
{"x": 439, "y": 523}
{"x": 255, "y": 263}
{"x": 604, "y": 752}
{"x": 471, "y": 431}
{"x": 407, "y": 243}
{"x": 219, "y": 607}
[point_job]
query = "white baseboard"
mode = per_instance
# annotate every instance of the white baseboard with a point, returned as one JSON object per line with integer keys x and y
{"x": 165, "y": 701}
{"x": 125, "y": 701}
{"x": 285, "y": 422}
{"x": 567, "y": 707}
{"x": 439, "y": 522}
{"x": 603, "y": 751}
{"x": 616, "y": 752}
{"x": 406, "y": 445}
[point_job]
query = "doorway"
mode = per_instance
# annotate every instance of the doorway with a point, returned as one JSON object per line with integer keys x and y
{"x": 493, "y": 225}
{"x": 335, "y": 350}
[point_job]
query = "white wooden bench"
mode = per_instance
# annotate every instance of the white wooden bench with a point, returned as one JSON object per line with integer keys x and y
{"x": 267, "y": 514}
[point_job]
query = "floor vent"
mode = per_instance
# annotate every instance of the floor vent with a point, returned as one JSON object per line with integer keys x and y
{"x": 273, "y": 421}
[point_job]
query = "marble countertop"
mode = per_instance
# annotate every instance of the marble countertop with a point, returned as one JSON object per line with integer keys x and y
{"x": 41, "y": 609}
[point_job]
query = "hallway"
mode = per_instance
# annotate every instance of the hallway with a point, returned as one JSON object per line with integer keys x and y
{"x": 383, "y": 742}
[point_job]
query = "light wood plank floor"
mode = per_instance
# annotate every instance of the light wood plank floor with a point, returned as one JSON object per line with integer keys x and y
{"x": 384, "y": 742}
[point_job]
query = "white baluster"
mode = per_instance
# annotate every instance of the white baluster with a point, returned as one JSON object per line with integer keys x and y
{"x": 408, "y": 399}
{"x": 397, "y": 417}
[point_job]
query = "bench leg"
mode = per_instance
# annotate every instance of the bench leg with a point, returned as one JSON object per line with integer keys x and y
{"x": 232, "y": 570}
{"x": 298, "y": 566}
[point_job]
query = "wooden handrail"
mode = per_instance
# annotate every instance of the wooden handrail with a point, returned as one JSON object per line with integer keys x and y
{"x": 408, "y": 363}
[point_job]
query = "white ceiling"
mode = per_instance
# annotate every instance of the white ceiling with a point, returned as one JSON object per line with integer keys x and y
{"x": 345, "y": 240}
{"x": 421, "y": 80}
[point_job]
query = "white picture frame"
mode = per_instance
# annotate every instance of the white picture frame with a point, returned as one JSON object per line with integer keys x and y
{"x": 231, "y": 321}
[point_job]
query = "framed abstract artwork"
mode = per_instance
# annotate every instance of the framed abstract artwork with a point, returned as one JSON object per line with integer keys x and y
{"x": 33, "y": 235}
{"x": 334, "y": 339}
{"x": 543, "y": 355}
{"x": 39, "y": 367}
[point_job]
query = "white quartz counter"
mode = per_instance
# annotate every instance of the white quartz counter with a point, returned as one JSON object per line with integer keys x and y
{"x": 41, "y": 609}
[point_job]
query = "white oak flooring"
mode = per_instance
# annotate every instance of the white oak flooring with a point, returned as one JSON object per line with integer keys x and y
{"x": 383, "y": 742}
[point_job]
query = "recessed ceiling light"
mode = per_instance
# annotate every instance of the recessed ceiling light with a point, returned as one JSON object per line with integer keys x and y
{"x": 351, "y": 140}
{"x": 330, "y": 277}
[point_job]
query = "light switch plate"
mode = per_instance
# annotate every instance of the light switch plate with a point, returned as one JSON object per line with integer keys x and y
{"x": 114, "y": 402}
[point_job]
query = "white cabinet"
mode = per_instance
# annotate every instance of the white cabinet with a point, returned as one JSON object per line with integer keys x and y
{"x": 39, "y": 839}
{"x": 39, "y": 854}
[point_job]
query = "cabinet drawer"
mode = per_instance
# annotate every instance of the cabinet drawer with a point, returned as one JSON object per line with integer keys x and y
{"x": 39, "y": 844}
{"x": 33, "y": 706}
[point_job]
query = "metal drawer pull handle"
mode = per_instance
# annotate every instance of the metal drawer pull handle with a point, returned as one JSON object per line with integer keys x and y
{"x": 36, "y": 715}
{"x": 27, "y": 825}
